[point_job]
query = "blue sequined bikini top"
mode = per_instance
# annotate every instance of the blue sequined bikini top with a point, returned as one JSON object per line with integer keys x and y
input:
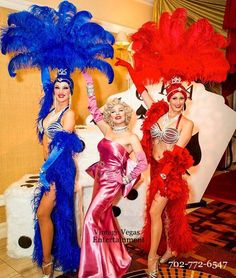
{"x": 53, "y": 127}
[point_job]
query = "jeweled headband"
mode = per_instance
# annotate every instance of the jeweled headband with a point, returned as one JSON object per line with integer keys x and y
{"x": 176, "y": 87}
{"x": 63, "y": 75}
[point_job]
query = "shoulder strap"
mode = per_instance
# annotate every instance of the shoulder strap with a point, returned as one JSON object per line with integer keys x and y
{"x": 51, "y": 110}
{"x": 180, "y": 116}
{"x": 159, "y": 126}
{"x": 62, "y": 113}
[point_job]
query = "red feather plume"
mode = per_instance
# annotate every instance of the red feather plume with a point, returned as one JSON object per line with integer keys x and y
{"x": 173, "y": 49}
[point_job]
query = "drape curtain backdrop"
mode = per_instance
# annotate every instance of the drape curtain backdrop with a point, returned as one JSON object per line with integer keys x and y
{"x": 229, "y": 86}
{"x": 230, "y": 25}
{"x": 221, "y": 14}
{"x": 213, "y": 10}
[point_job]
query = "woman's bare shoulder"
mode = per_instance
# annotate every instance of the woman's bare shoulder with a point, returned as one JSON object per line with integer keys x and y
{"x": 187, "y": 122}
{"x": 133, "y": 137}
{"x": 69, "y": 114}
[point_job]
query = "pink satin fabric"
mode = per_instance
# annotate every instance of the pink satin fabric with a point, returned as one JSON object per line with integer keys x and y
{"x": 103, "y": 254}
{"x": 93, "y": 109}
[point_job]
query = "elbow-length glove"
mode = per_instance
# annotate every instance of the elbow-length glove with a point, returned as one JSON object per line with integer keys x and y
{"x": 46, "y": 101}
{"x": 55, "y": 153}
{"x": 45, "y": 76}
{"x": 135, "y": 172}
{"x": 67, "y": 143}
{"x": 133, "y": 74}
{"x": 92, "y": 103}
{"x": 138, "y": 169}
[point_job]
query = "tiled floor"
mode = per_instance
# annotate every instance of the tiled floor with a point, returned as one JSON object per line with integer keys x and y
{"x": 14, "y": 268}
{"x": 213, "y": 226}
{"x": 214, "y": 230}
{"x": 17, "y": 268}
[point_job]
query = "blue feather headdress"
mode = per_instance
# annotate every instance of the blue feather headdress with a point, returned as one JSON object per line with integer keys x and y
{"x": 45, "y": 38}
{"x": 48, "y": 39}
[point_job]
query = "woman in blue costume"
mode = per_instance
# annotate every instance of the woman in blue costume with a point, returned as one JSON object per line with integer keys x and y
{"x": 55, "y": 240}
{"x": 61, "y": 39}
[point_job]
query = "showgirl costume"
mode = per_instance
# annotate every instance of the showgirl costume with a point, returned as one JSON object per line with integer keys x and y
{"x": 59, "y": 169}
{"x": 65, "y": 40}
{"x": 103, "y": 253}
{"x": 175, "y": 188}
{"x": 164, "y": 52}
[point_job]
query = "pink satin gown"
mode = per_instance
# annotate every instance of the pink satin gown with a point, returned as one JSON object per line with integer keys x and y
{"x": 103, "y": 254}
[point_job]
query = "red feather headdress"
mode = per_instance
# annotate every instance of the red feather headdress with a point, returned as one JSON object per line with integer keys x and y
{"x": 173, "y": 49}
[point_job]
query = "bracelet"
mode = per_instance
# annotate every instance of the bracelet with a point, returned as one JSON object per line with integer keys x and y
{"x": 163, "y": 176}
{"x": 126, "y": 179}
{"x": 90, "y": 89}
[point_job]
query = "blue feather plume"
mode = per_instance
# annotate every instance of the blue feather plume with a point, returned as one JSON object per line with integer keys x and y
{"x": 45, "y": 38}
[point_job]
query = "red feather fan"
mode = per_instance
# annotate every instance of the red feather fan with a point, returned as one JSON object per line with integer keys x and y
{"x": 173, "y": 49}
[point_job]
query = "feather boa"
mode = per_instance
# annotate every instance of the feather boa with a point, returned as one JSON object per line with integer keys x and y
{"x": 152, "y": 115}
{"x": 174, "y": 188}
{"x": 65, "y": 250}
{"x": 179, "y": 232}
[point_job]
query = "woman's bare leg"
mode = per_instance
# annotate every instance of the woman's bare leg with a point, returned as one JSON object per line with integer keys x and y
{"x": 167, "y": 224}
{"x": 168, "y": 254}
{"x": 46, "y": 226}
{"x": 156, "y": 210}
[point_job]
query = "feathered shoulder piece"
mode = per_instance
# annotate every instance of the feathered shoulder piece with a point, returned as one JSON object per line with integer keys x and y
{"x": 171, "y": 48}
{"x": 157, "y": 110}
{"x": 153, "y": 114}
{"x": 45, "y": 38}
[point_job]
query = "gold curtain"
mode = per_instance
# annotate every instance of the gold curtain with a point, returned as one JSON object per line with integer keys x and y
{"x": 213, "y": 10}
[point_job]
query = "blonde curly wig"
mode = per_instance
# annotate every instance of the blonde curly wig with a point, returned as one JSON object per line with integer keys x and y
{"x": 110, "y": 105}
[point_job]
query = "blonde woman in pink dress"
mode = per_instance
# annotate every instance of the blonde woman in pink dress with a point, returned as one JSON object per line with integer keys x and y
{"x": 103, "y": 254}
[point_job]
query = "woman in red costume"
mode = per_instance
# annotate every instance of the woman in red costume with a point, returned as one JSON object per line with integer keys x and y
{"x": 166, "y": 132}
{"x": 172, "y": 51}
